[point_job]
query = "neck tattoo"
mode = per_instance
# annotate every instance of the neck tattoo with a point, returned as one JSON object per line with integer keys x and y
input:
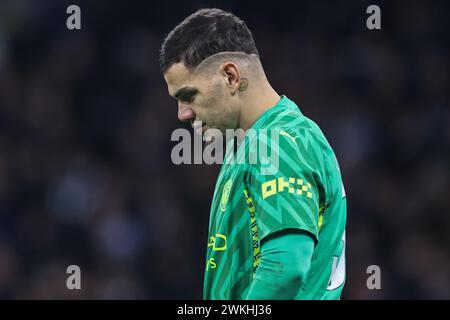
{"x": 243, "y": 84}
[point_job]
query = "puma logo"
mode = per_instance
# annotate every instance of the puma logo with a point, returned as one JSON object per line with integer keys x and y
{"x": 284, "y": 133}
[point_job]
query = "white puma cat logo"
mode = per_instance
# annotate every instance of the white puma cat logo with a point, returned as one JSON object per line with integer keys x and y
{"x": 284, "y": 133}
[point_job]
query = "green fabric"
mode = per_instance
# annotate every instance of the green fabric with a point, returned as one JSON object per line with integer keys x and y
{"x": 304, "y": 192}
{"x": 285, "y": 263}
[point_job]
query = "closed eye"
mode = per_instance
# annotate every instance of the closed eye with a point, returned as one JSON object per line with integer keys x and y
{"x": 189, "y": 97}
{"x": 186, "y": 94}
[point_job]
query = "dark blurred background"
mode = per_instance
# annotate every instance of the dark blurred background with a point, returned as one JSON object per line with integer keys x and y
{"x": 85, "y": 121}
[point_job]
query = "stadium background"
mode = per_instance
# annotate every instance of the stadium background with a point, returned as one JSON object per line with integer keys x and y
{"x": 85, "y": 125}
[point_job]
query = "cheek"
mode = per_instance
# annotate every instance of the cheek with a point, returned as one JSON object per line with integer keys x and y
{"x": 213, "y": 103}
{"x": 216, "y": 106}
{"x": 218, "y": 90}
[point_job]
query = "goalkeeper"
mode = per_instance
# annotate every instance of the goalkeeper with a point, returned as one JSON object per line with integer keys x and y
{"x": 273, "y": 234}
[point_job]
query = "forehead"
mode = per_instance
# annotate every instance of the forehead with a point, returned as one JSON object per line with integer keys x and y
{"x": 178, "y": 76}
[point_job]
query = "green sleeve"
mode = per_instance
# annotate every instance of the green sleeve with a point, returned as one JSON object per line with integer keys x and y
{"x": 285, "y": 263}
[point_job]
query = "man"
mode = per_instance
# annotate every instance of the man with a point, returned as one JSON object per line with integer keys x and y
{"x": 276, "y": 234}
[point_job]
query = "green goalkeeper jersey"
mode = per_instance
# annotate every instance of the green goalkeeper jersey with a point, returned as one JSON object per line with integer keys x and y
{"x": 295, "y": 183}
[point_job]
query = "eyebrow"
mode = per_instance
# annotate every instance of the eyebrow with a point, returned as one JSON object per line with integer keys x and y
{"x": 184, "y": 91}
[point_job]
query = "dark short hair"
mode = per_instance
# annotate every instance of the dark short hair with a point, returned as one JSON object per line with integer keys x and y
{"x": 203, "y": 34}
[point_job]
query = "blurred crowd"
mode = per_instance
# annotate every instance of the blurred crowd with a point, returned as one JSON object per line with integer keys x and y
{"x": 85, "y": 123}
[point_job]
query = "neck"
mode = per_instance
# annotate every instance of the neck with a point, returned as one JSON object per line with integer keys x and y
{"x": 256, "y": 103}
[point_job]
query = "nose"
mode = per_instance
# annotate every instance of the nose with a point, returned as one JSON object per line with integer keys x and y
{"x": 185, "y": 113}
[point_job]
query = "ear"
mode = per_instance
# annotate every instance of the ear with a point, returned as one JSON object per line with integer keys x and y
{"x": 231, "y": 72}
